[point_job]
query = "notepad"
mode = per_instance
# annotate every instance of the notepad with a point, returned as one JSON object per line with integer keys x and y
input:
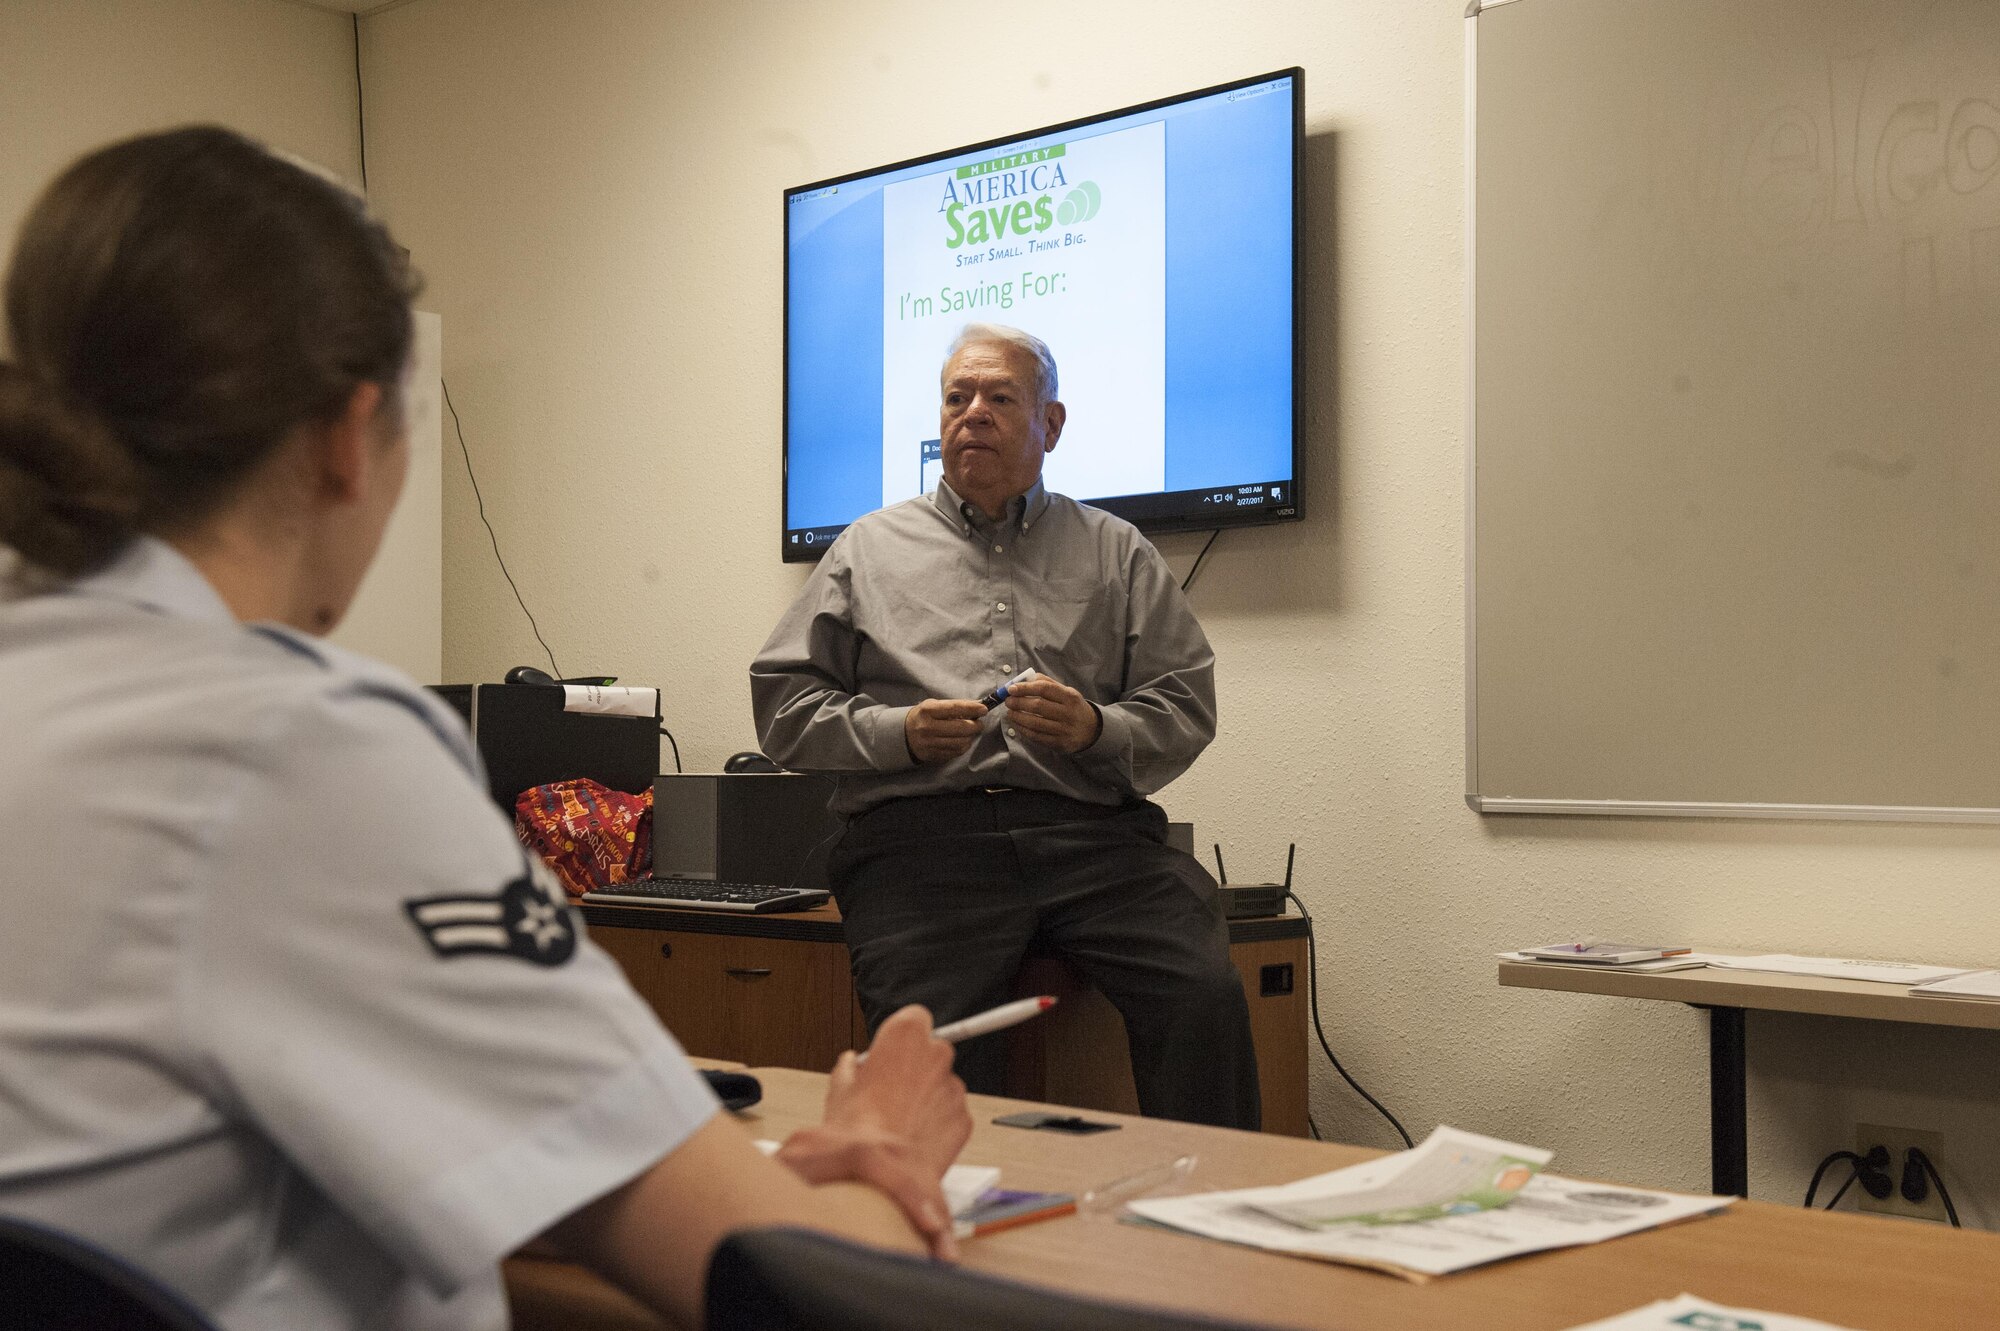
{"x": 1602, "y": 954}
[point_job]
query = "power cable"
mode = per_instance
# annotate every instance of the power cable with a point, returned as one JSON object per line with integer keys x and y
{"x": 360, "y": 107}
{"x": 1189, "y": 580}
{"x": 1312, "y": 993}
{"x": 1918, "y": 1156}
{"x": 554, "y": 669}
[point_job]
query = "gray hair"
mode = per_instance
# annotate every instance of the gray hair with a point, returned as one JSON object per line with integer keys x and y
{"x": 1038, "y": 350}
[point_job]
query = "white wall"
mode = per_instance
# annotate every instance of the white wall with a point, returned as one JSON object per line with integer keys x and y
{"x": 593, "y": 192}
{"x": 74, "y": 76}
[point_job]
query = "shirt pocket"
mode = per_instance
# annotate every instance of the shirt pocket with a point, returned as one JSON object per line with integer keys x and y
{"x": 1077, "y": 634}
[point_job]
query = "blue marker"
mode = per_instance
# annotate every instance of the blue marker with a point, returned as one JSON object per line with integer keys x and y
{"x": 999, "y": 694}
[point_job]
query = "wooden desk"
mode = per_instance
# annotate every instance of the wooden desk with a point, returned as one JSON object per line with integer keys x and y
{"x": 1867, "y": 1272}
{"x": 774, "y": 989}
{"x": 1728, "y": 994}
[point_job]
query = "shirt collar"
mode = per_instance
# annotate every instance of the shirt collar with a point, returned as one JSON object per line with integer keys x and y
{"x": 1025, "y": 510}
{"x": 150, "y": 573}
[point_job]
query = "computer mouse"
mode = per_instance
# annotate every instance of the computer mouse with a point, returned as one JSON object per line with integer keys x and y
{"x": 529, "y": 675}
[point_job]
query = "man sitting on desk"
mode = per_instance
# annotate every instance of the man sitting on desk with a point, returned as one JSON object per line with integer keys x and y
{"x": 975, "y": 831}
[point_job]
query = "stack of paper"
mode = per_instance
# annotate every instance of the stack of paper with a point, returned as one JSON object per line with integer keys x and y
{"x": 1839, "y": 968}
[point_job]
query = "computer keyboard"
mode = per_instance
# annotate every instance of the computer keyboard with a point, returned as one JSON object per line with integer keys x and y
{"x": 705, "y": 894}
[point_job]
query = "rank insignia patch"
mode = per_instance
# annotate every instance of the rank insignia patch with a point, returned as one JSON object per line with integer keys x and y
{"x": 528, "y": 918}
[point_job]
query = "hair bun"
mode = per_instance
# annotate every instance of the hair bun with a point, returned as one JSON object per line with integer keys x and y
{"x": 69, "y": 493}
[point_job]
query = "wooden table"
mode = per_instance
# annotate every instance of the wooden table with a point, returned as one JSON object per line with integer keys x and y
{"x": 1865, "y": 1272}
{"x": 1727, "y": 995}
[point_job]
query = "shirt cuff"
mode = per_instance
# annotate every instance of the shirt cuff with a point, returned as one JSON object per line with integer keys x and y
{"x": 1114, "y": 736}
{"x": 887, "y": 742}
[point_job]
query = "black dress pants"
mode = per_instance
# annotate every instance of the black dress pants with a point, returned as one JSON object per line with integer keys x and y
{"x": 944, "y": 895}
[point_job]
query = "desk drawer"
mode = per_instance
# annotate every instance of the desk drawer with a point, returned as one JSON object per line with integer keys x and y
{"x": 761, "y": 1001}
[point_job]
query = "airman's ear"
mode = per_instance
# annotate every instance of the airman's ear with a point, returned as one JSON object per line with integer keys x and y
{"x": 1053, "y": 417}
{"x": 348, "y": 446}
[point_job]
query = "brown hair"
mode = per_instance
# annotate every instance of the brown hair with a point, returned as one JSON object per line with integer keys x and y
{"x": 177, "y": 305}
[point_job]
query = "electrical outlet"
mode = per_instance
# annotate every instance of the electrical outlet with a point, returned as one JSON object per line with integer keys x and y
{"x": 1899, "y": 1141}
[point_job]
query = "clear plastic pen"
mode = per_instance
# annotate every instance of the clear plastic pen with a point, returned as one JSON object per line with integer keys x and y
{"x": 1106, "y": 1198}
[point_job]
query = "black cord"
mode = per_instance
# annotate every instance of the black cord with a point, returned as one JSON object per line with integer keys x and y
{"x": 1189, "y": 580}
{"x": 1840, "y": 1192}
{"x": 1314, "y": 1127}
{"x": 1950, "y": 1211}
{"x": 360, "y": 106}
{"x": 1312, "y": 992}
{"x": 670, "y": 742}
{"x": 1820, "y": 1173}
{"x": 554, "y": 669}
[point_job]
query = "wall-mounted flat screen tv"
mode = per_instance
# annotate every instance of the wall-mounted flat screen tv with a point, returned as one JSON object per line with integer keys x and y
{"x": 1154, "y": 248}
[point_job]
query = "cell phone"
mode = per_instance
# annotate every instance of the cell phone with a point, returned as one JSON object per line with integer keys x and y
{"x": 1054, "y": 1122}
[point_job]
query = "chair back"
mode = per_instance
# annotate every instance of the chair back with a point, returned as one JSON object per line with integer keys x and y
{"x": 797, "y": 1280}
{"x": 52, "y": 1281}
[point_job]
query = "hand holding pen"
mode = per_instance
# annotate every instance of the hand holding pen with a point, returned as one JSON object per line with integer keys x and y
{"x": 993, "y": 1019}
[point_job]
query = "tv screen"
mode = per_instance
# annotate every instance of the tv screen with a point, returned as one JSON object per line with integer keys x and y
{"x": 1155, "y": 249}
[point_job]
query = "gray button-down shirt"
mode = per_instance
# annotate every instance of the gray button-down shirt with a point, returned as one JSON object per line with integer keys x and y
{"x": 927, "y": 599}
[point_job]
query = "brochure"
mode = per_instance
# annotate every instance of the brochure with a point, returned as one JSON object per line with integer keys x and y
{"x": 1547, "y": 1212}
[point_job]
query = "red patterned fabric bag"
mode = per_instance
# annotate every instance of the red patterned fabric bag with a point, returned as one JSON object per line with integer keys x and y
{"x": 591, "y": 836}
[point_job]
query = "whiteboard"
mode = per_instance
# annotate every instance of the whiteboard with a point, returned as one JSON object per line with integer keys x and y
{"x": 1733, "y": 501}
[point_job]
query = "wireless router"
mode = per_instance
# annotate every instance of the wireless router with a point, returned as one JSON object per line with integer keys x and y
{"x": 1241, "y": 900}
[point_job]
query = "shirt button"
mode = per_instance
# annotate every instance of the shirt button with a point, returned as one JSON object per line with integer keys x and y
{"x": 1011, "y": 732}
{"x": 1006, "y": 667}
{"x": 999, "y": 549}
{"x": 1001, "y": 606}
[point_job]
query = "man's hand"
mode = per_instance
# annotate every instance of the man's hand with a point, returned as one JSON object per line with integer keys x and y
{"x": 1052, "y": 713}
{"x": 895, "y": 1122}
{"x": 939, "y": 729}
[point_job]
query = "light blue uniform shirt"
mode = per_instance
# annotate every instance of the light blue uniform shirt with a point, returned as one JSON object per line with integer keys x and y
{"x": 285, "y": 1016}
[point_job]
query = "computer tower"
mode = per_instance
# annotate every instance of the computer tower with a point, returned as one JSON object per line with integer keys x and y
{"x": 743, "y": 827}
{"x": 526, "y": 739}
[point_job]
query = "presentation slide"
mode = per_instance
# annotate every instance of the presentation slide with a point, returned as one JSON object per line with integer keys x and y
{"x": 1152, "y": 250}
{"x": 1067, "y": 241}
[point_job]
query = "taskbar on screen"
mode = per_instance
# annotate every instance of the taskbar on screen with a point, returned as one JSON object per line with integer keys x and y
{"x": 1180, "y": 510}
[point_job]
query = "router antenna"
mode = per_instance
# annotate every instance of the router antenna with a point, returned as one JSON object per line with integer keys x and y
{"x": 1290, "y": 855}
{"x": 1221, "y": 874}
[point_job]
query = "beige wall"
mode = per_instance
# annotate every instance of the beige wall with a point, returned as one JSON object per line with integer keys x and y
{"x": 74, "y": 76}
{"x": 593, "y": 192}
